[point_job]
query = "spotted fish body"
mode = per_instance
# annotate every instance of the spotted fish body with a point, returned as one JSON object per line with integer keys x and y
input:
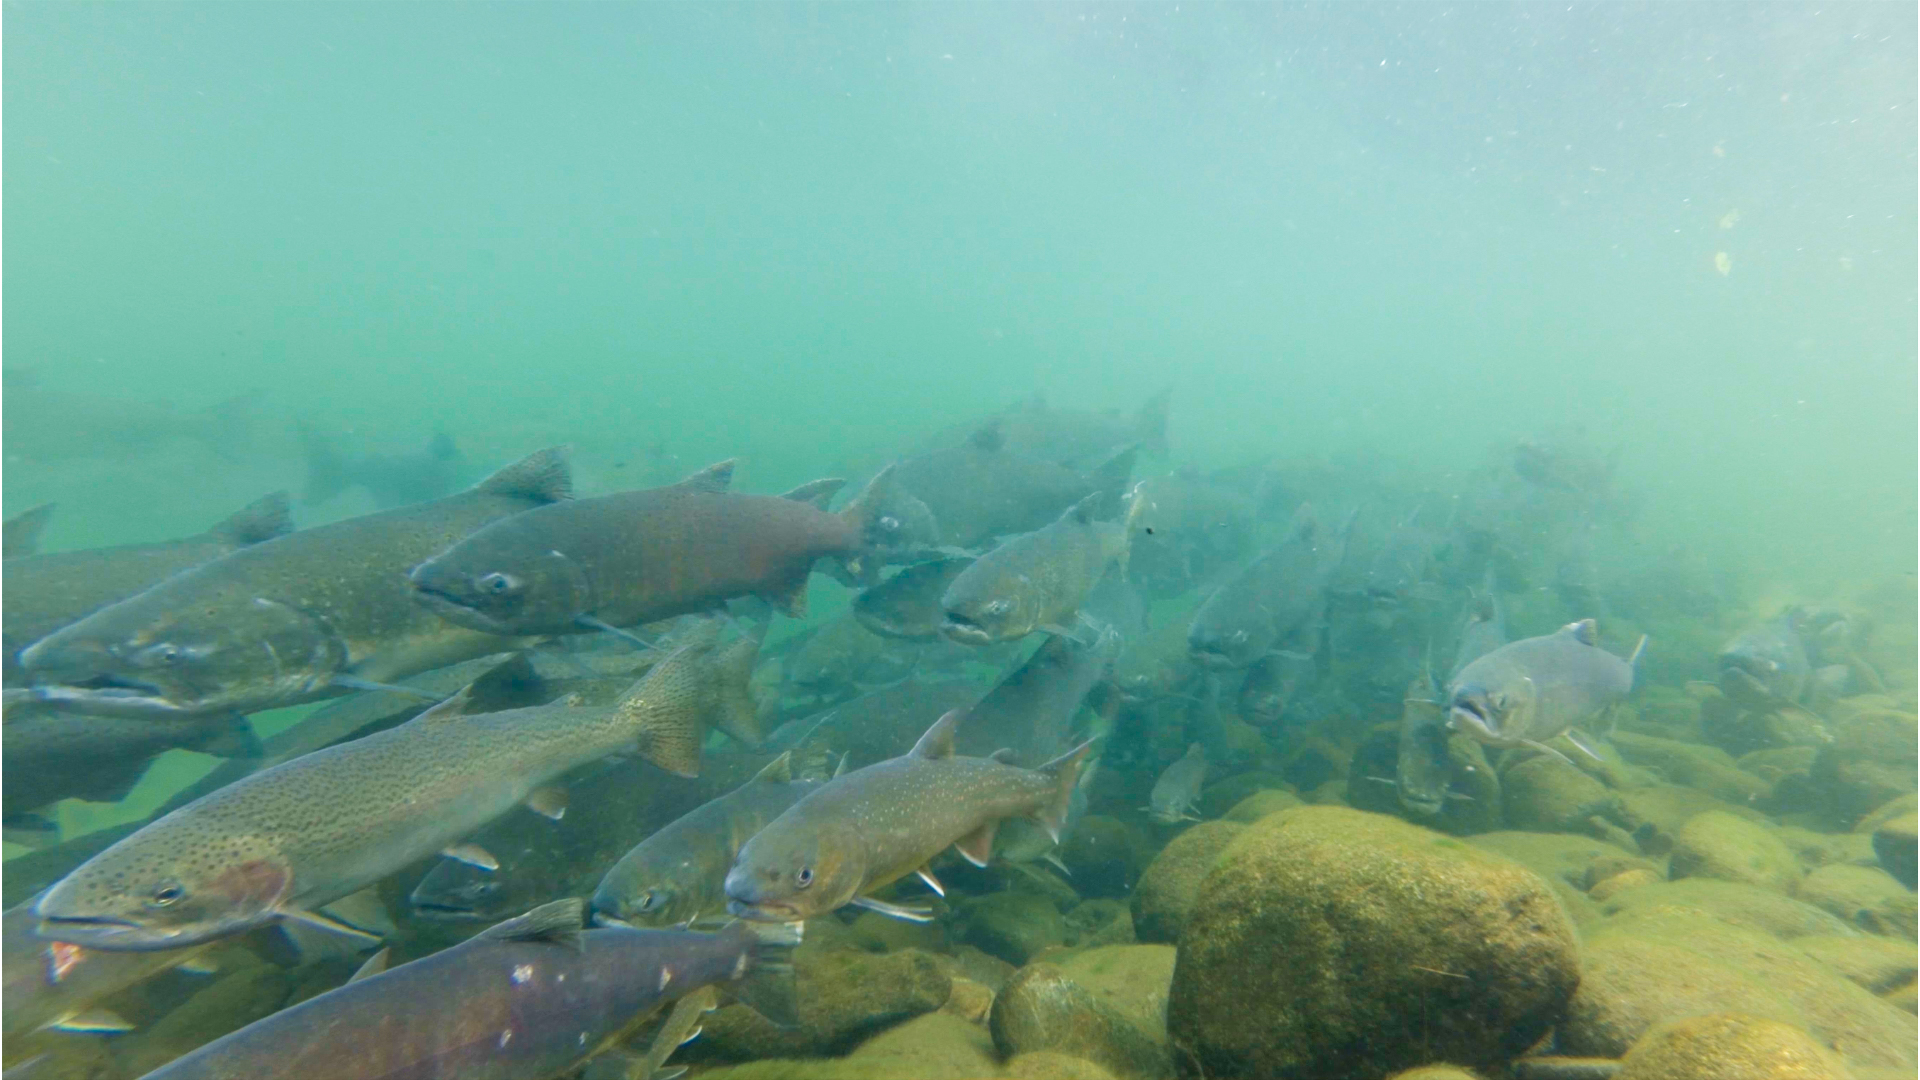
{"x": 1033, "y": 581}
{"x": 286, "y": 621}
{"x": 871, "y": 827}
{"x": 1178, "y": 788}
{"x": 679, "y": 873}
{"x": 527, "y": 999}
{"x": 637, "y": 556}
{"x": 283, "y": 842}
{"x": 46, "y": 592}
{"x": 1535, "y": 689}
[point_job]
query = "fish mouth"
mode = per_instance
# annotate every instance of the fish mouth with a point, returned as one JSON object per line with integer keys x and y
{"x": 957, "y": 627}
{"x": 1212, "y": 657}
{"x": 764, "y": 911}
{"x": 1465, "y": 716}
{"x": 447, "y": 912}
{"x": 112, "y": 695}
{"x": 454, "y": 610}
{"x": 99, "y": 931}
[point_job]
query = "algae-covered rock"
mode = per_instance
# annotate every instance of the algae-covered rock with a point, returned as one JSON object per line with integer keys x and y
{"x": 932, "y": 1047}
{"x": 1260, "y": 804}
{"x": 1436, "y": 1072}
{"x": 1887, "y": 811}
{"x": 1168, "y": 887}
{"x": 1012, "y": 926}
{"x": 1563, "y": 859}
{"x": 1876, "y": 964}
{"x": 1728, "y": 1046}
{"x": 1774, "y": 766}
{"x": 1707, "y": 769}
{"x": 1048, "y": 1065}
{"x": 1720, "y": 845}
{"x": 1219, "y": 797}
{"x": 1870, "y": 761}
{"x": 1817, "y": 849}
{"x": 1896, "y": 844}
{"x": 1865, "y": 896}
{"x": 1434, "y": 949}
{"x": 1748, "y": 905}
{"x": 1671, "y": 963}
{"x": 875, "y": 932}
{"x": 969, "y": 1000}
{"x": 1656, "y": 812}
{"x": 1130, "y": 979}
{"x": 844, "y": 995}
{"x": 1621, "y": 882}
{"x": 1043, "y": 1009}
{"x": 1105, "y": 856}
{"x": 1093, "y": 923}
{"x": 1545, "y": 794}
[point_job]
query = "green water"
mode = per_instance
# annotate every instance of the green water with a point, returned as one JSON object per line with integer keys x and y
{"x": 808, "y": 235}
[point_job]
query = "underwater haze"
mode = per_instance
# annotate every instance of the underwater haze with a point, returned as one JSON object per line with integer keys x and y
{"x": 1480, "y": 437}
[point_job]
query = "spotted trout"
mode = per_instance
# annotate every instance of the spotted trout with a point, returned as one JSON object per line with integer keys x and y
{"x": 527, "y": 999}
{"x": 1035, "y": 581}
{"x": 306, "y": 616}
{"x": 873, "y": 826}
{"x": 282, "y": 842}
{"x": 679, "y": 873}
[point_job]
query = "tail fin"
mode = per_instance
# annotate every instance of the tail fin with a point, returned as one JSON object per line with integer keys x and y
{"x": 733, "y": 674}
{"x": 667, "y": 709}
{"x": 1150, "y": 424}
{"x": 1065, "y": 771}
{"x": 768, "y": 987}
{"x": 862, "y": 516}
{"x": 1112, "y": 479}
{"x": 326, "y": 470}
{"x": 264, "y": 518}
{"x": 22, "y": 531}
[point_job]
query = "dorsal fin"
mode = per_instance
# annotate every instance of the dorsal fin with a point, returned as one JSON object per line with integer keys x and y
{"x": 989, "y": 437}
{"x": 23, "y": 531}
{"x": 714, "y": 479}
{"x": 841, "y": 769}
{"x": 1004, "y": 755}
{"x": 937, "y": 743}
{"x": 817, "y": 492}
{"x": 451, "y": 709}
{"x": 262, "y": 519}
{"x": 1586, "y": 631}
{"x": 542, "y": 476}
{"x": 1082, "y": 512}
{"x": 778, "y": 771}
{"x": 559, "y": 922}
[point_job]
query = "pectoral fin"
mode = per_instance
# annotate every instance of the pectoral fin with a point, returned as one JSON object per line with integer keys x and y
{"x": 472, "y": 855}
{"x": 375, "y": 964}
{"x": 910, "y": 914}
{"x": 933, "y": 883}
{"x": 548, "y": 802}
{"x": 322, "y": 922}
{"x": 94, "y": 1021}
{"x": 977, "y": 846}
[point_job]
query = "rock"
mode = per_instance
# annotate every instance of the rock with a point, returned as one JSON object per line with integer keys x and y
{"x": 1043, "y": 1009}
{"x": 1012, "y": 926}
{"x": 1720, "y": 845}
{"x": 1563, "y": 859}
{"x": 1560, "y": 1067}
{"x": 1817, "y": 849}
{"x": 1436, "y": 1072}
{"x": 967, "y": 962}
{"x": 1774, "y": 766}
{"x": 1621, "y": 882}
{"x": 1875, "y": 964}
{"x": 1870, "y": 761}
{"x": 970, "y": 1001}
{"x": 1167, "y": 889}
{"x": 1903, "y": 997}
{"x": 1865, "y": 896}
{"x": 1655, "y": 813}
{"x": 1326, "y": 904}
{"x": 1315, "y": 762}
{"x": 1669, "y": 963}
{"x": 1746, "y": 905}
{"x": 1887, "y": 811}
{"x": 1130, "y": 979}
{"x": 1602, "y": 867}
{"x": 934, "y": 1047}
{"x": 1896, "y": 844}
{"x": 1260, "y": 804}
{"x": 1219, "y": 797}
{"x": 1094, "y": 923}
{"x": 1728, "y": 1046}
{"x": 875, "y": 932}
{"x": 1047, "y": 1065}
{"x": 845, "y": 996}
{"x": 1105, "y": 856}
{"x": 1545, "y": 794}
{"x": 1707, "y": 769}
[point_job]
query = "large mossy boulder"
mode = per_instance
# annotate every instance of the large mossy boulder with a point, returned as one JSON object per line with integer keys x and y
{"x": 1747, "y": 905}
{"x": 1043, "y": 1009}
{"x": 1720, "y": 845}
{"x": 1545, "y": 794}
{"x": 1014, "y": 926}
{"x": 1331, "y": 942}
{"x": 1865, "y": 896}
{"x": 1870, "y": 761}
{"x": 845, "y": 996}
{"x": 1167, "y": 889}
{"x": 1896, "y": 845}
{"x": 1729, "y": 1046}
{"x": 1669, "y": 963}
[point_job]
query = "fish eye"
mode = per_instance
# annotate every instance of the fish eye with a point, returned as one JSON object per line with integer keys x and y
{"x": 804, "y": 877}
{"x": 498, "y": 583}
{"x": 646, "y": 901}
{"x": 166, "y": 894}
{"x": 999, "y": 607}
{"x": 163, "y": 653}
{"x": 890, "y": 523}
